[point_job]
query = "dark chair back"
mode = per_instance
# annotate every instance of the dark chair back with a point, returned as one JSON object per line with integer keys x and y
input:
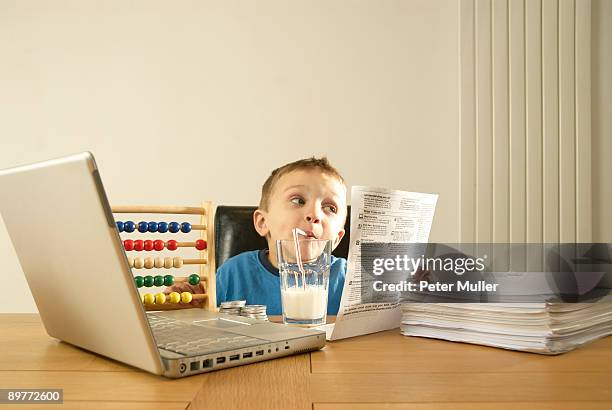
{"x": 235, "y": 233}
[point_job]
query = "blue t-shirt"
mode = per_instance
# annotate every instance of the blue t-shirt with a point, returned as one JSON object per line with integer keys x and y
{"x": 250, "y": 276}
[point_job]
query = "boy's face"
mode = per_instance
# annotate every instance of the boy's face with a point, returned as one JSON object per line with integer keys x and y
{"x": 307, "y": 199}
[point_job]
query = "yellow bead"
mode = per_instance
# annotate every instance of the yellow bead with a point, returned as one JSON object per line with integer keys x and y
{"x": 175, "y": 297}
{"x": 186, "y": 297}
{"x": 142, "y": 298}
{"x": 160, "y": 299}
{"x": 148, "y": 299}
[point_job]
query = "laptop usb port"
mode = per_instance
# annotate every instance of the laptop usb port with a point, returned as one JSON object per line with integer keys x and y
{"x": 220, "y": 360}
{"x": 234, "y": 357}
{"x": 194, "y": 366}
{"x": 259, "y": 353}
{"x": 247, "y": 355}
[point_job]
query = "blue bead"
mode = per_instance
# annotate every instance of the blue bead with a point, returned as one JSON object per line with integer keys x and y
{"x": 152, "y": 226}
{"x": 120, "y": 226}
{"x": 185, "y": 227}
{"x": 129, "y": 226}
{"x": 143, "y": 227}
{"x": 174, "y": 227}
{"x": 162, "y": 227}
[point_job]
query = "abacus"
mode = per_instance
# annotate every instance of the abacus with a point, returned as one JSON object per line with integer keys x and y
{"x": 205, "y": 258}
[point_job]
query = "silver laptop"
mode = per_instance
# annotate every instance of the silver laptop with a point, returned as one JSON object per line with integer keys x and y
{"x": 63, "y": 231}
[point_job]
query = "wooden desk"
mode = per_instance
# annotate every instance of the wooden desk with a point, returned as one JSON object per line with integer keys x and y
{"x": 384, "y": 370}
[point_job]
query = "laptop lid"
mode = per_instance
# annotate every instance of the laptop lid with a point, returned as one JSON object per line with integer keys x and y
{"x": 64, "y": 234}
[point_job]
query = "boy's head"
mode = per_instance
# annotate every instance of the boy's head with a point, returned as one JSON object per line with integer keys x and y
{"x": 308, "y": 194}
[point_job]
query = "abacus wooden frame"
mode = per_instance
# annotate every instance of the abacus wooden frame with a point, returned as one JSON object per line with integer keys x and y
{"x": 207, "y": 270}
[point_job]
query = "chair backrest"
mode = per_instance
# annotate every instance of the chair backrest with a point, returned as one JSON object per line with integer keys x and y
{"x": 235, "y": 233}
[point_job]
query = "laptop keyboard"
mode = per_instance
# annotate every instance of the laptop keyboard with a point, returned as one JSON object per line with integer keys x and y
{"x": 191, "y": 340}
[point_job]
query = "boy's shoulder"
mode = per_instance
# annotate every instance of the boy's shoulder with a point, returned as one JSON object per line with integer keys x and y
{"x": 338, "y": 264}
{"x": 248, "y": 257}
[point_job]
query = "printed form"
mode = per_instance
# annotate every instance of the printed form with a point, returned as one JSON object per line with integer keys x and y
{"x": 378, "y": 215}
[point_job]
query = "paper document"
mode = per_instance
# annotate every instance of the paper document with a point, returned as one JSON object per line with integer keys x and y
{"x": 378, "y": 215}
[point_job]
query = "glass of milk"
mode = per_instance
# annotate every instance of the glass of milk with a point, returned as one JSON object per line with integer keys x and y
{"x": 304, "y": 280}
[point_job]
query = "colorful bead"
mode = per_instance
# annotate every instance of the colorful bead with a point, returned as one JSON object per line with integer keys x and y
{"x": 159, "y": 262}
{"x": 194, "y": 279}
{"x": 138, "y": 263}
{"x": 168, "y": 263}
{"x": 149, "y": 263}
{"x": 162, "y": 227}
{"x": 148, "y": 299}
{"x": 171, "y": 245}
{"x": 152, "y": 227}
{"x": 131, "y": 262}
{"x": 138, "y": 245}
{"x": 139, "y": 281}
{"x": 177, "y": 262}
{"x": 200, "y": 244}
{"x": 160, "y": 299}
{"x": 175, "y": 297}
{"x": 120, "y": 226}
{"x": 158, "y": 280}
{"x": 148, "y": 245}
{"x": 186, "y": 297}
{"x": 158, "y": 245}
{"x": 142, "y": 298}
{"x": 128, "y": 245}
{"x": 148, "y": 281}
{"x": 143, "y": 227}
{"x": 168, "y": 280}
{"x": 129, "y": 226}
{"x": 185, "y": 227}
{"x": 174, "y": 227}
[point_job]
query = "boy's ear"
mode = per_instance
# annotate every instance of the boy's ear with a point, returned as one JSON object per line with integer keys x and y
{"x": 259, "y": 220}
{"x": 341, "y": 233}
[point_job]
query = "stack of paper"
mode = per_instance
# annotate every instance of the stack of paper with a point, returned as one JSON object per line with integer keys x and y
{"x": 546, "y": 328}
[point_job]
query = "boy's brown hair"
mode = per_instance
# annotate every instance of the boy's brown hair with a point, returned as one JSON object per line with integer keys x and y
{"x": 306, "y": 163}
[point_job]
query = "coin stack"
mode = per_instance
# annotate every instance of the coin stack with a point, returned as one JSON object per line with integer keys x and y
{"x": 254, "y": 311}
{"x": 240, "y": 308}
{"x": 232, "y": 307}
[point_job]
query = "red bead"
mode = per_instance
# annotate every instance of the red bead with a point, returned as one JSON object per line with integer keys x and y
{"x": 171, "y": 245}
{"x": 201, "y": 244}
{"x": 148, "y": 245}
{"x": 128, "y": 244}
{"x": 138, "y": 245}
{"x": 158, "y": 245}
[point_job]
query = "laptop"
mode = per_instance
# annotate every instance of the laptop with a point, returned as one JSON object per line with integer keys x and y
{"x": 63, "y": 231}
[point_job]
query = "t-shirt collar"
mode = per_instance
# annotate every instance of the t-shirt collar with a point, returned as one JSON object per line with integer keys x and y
{"x": 263, "y": 258}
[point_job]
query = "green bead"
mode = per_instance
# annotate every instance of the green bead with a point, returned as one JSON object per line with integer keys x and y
{"x": 158, "y": 280}
{"x": 139, "y": 281}
{"x": 194, "y": 279}
{"x": 148, "y": 281}
{"x": 168, "y": 280}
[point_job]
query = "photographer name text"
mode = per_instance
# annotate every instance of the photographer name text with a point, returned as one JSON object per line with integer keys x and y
{"x": 424, "y": 286}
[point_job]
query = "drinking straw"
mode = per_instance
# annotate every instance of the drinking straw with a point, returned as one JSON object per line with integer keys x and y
{"x": 298, "y": 254}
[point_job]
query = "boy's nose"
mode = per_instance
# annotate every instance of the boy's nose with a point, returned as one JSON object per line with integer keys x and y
{"x": 312, "y": 217}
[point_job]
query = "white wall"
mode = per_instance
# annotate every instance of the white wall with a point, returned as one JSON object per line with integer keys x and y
{"x": 190, "y": 100}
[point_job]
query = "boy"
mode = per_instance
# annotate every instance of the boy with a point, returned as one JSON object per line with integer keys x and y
{"x": 308, "y": 194}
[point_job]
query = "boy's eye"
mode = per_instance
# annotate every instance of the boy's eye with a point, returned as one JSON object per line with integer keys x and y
{"x": 331, "y": 208}
{"x": 297, "y": 200}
